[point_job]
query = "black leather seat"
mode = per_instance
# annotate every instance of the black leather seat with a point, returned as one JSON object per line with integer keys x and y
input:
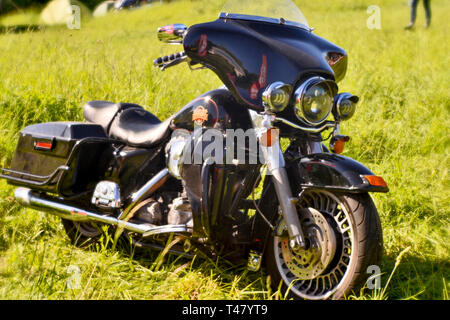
{"x": 104, "y": 112}
{"x": 139, "y": 128}
{"x": 128, "y": 122}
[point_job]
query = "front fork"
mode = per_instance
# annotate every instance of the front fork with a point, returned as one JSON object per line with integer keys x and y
{"x": 273, "y": 156}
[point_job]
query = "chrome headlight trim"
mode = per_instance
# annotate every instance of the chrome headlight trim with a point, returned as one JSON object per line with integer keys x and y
{"x": 274, "y": 102}
{"x": 339, "y": 99}
{"x": 300, "y": 94}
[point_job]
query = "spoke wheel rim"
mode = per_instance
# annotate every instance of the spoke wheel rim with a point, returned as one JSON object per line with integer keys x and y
{"x": 329, "y": 278}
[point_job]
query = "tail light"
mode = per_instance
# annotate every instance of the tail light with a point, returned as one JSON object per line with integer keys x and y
{"x": 43, "y": 145}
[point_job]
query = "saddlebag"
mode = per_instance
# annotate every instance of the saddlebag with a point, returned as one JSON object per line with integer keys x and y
{"x": 63, "y": 158}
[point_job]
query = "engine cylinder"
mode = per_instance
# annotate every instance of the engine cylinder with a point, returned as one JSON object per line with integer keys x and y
{"x": 175, "y": 152}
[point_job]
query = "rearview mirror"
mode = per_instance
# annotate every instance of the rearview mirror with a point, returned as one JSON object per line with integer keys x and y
{"x": 172, "y": 33}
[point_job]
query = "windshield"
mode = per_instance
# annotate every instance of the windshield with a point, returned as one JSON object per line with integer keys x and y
{"x": 272, "y": 9}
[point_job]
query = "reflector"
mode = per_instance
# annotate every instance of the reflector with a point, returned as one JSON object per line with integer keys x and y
{"x": 376, "y": 181}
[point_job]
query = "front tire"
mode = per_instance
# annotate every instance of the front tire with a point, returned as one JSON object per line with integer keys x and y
{"x": 345, "y": 237}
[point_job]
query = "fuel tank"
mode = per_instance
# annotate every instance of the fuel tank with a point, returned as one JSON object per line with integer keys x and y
{"x": 249, "y": 55}
{"x": 216, "y": 109}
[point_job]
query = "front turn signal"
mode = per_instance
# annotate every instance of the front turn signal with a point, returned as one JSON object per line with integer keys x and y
{"x": 270, "y": 137}
{"x": 376, "y": 181}
{"x": 337, "y": 143}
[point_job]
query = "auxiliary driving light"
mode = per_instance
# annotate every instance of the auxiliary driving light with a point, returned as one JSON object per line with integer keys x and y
{"x": 276, "y": 96}
{"x": 345, "y": 105}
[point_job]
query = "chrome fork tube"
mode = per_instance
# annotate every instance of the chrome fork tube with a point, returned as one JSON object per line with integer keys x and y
{"x": 288, "y": 208}
{"x": 273, "y": 156}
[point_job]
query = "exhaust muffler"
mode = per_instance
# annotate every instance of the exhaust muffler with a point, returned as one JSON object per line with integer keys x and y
{"x": 54, "y": 206}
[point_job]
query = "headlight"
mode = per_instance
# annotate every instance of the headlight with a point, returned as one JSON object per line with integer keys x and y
{"x": 314, "y": 100}
{"x": 345, "y": 105}
{"x": 276, "y": 96}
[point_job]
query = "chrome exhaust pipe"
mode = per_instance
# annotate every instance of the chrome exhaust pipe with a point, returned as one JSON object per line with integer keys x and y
{"x": 151, "y": 186}
{"x": 35, "y": 200}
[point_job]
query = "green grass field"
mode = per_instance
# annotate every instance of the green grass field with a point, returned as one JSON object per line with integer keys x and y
{"x": 400, "y": 131}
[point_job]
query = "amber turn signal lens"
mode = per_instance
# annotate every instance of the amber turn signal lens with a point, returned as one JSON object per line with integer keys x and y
{"x": 376, "y": 181}
{"x": 337, "y": 143}
{"x": 270, "y": 137}
{"x": 339, "y": 146}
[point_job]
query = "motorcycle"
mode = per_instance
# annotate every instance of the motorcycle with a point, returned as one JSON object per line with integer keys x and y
{"x": 303, "y": 211}
{"x": 110, "y": 5}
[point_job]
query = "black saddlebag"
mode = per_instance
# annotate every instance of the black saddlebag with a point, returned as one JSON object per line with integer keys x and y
{"x": 65, "y": 158}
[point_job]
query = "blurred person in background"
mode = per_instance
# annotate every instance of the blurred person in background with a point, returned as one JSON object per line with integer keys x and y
{"x": 426, "y": 4}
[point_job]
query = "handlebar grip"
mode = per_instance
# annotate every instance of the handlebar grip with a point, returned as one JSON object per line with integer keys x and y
{"x": 169, "y": 58}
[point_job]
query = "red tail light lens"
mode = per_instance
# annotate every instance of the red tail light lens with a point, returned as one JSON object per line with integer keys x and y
{"x": 43, "y": 145}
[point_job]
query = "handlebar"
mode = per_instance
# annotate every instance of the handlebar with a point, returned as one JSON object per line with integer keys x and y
{"x": 170, "y": 60}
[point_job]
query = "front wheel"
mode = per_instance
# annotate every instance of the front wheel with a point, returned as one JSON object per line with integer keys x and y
{"x": 344, "y": 238}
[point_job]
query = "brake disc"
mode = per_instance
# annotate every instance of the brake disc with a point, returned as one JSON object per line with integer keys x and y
{"x": 308, "y": 263}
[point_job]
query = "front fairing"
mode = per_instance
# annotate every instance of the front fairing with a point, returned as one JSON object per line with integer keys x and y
{"x": 249, "y": 55}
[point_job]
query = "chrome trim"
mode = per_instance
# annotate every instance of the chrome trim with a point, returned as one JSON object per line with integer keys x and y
{"x": 107, "y": 193}
{"x": 268, "y": 92}
{"x": 345, "y": 96}
{"x": 170, "y": 228}
{"x": 315, "y": 147}
{"x": 247, "y": 17}
{"x": 324, "y": 126}
{"x": 273, "y": 155}
{"x": 254, "y": 260}
{"x": 299, "y": 95}
{"x": 151, "y": 186}
{"x": 289, "y": 212}
{"x": 31, "y": 199}
{"x": 274, "y": 159}
{"x": 175, "y": 153}
{"x": 257, "y": 118}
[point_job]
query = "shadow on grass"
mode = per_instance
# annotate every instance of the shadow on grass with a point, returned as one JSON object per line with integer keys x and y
{"x": 21, "y": 28}
{"x": 233, "y": 276}
{"x": 416, "y": 277}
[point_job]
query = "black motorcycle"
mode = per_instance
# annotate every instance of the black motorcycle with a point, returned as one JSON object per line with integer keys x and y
{"x": 214, "y": 176}
{"x": 115, "y": 5}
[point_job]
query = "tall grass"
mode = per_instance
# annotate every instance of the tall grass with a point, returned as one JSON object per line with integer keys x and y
{"x": 400, "y": 131}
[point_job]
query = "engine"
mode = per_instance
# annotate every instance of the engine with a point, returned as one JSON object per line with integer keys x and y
{"x": 175, "y": 152}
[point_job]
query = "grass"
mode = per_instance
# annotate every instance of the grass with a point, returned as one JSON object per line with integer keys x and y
{"x": 22, "y": 17}
{"x": 400, "y": 131}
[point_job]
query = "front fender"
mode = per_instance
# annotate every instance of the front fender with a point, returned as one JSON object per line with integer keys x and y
{"x": 333, "y": 172}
